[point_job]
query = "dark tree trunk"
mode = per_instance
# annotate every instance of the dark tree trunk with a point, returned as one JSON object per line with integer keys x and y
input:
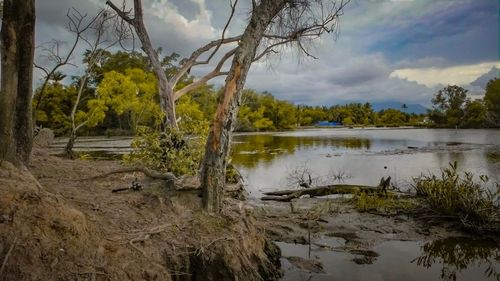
{"x": 219, "y": 139}
{"x": 17, "y": 50}
{"x": 68, "y": 150}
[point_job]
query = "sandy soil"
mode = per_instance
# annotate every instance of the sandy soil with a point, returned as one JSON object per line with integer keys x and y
{"x": 57, "y": 226}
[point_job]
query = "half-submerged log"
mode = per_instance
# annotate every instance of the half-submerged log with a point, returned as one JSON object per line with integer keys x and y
{"x": 288, "y": 195}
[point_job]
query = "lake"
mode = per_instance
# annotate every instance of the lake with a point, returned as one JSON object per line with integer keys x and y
{"x": 450, "y": 259}
{"x": 361, "y": 156}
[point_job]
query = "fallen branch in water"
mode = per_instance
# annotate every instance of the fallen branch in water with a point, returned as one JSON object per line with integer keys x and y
{"x": 288, "y": 195}
{"x": 146, "y": 171}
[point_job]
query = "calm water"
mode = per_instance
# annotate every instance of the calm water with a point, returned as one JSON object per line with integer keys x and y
{"x": 452, "y": 259}
{"x": 362, "y": 156}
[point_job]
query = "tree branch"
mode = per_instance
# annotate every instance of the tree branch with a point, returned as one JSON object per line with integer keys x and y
{"x": 217, "y": 44}
{"x": 194, "y": 56}
{"x": 214, "y": 73}
{"x": 122, "y": 14}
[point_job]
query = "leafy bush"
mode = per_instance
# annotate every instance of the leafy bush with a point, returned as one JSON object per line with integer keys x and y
{"x": 177, "y": 151}
{"x": 460, "y": 196}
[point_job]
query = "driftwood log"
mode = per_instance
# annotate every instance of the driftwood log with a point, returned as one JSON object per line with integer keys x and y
{"x": 288, "y": 195}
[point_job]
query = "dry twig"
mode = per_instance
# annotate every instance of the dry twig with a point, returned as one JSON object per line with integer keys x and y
{"x": 4, "y": 263}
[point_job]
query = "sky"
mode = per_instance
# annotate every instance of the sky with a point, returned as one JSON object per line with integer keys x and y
{"x": 387, "y": 50}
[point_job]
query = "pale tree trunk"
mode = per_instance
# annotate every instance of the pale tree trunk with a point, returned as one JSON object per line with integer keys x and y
{"x": 165, "y": 90}
{"x": 219, "y": 139}
{"x": 17, "y": 51}
{"x": 166, "y": 93}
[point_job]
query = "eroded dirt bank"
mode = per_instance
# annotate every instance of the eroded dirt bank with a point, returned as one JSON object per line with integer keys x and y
{"x": 63, "y": 228}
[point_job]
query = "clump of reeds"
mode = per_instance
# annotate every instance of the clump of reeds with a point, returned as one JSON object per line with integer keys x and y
{"x": 452, "y": 194}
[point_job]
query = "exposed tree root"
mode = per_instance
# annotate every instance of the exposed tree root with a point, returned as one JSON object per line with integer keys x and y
{"x": 146, "y": 171}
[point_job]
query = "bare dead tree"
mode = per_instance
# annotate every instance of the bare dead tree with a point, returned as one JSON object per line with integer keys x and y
{"x": 98, "y": 39}
{"x": 78, "y": 24}
{"x": 166, "y": 85}
{"x": 273, "y": 24}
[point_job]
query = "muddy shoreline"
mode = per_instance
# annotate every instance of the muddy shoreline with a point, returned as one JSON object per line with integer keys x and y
{"x": 123, "y": 234}
{"x": 314, "y": 231}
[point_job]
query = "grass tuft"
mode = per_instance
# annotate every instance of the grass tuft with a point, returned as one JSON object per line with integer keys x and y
{"x": 474, "y": 203}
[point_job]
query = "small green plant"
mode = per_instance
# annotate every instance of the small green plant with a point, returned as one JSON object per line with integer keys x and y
{"x": 451, "y": 194}
{"x": 387, "y": 203}
{"x": 177, "y": 151}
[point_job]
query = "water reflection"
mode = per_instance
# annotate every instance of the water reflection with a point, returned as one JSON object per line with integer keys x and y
{"x": 457, "y": 254}
{"x": 493, "y": 154}
{"x": 250, "y": 150}
{"x": 265, "y": 160}
{"x": 451, "y": 259}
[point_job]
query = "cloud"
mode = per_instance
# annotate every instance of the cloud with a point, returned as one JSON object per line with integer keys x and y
{"x": 387, "y": 49}
{"x": 483, "y": 80}
{"x": 340, "y": 78}
{"x": 449, "y": 29}
{"x": 433, "y": 76}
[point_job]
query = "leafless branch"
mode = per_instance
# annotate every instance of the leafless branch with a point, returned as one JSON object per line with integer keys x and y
{"x": 191, "y": 61}
{"x": 301, "y": 23}
{"x": 214, "y": 73}
{"x": 78, "y": 24}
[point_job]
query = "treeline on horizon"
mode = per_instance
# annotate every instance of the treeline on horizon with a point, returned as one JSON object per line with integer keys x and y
{"x": 122, "y": 95}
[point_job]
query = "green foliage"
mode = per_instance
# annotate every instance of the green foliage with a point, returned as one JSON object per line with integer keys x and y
{"x": 177, "y": 151}
{"x": 449, "y": 106}
{"x": 172, "y": 151}
{"x": 382, "y": 203}
{"x": 475, "y": 114}
{"x": 232, "y": 174}
{"x": 55, "y": 108}
{"x": 492, "y": 101}
{"x": 118, "y": 62}
{"x": 456, "y": 195}
{"x": 94, "y": 113}
{"x": 262, "y": 112}
{"x": 132, "y": 95}
{"x": 391, "y": 117}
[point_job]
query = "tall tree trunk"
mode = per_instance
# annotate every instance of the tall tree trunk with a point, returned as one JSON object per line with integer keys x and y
{"x": 165, "y": 89}
{"x": 219, "y": 140}
{"x": 17, "y": 51}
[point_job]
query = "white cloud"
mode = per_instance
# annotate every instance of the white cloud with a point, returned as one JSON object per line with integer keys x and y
{"x": 433, "y": 76}
{"x": 198, "y": 28}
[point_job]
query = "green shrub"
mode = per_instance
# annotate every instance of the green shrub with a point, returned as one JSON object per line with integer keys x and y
{"x": 177, "y": 151}
{"x": 455, "y": 195}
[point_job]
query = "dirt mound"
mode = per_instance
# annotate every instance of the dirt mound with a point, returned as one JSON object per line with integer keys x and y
{"x": 43, "y": 138}
{"x": 45, "y": 238}
{"x": 73, "y": 229}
